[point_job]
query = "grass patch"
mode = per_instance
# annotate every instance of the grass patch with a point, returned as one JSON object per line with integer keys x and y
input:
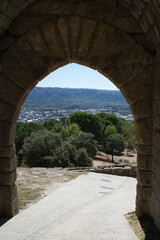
{"x": 70, "y": 177}
{"x": 143, "y": 227}
{"x": 28, "y": 195}
{"x": 31, "y": 189}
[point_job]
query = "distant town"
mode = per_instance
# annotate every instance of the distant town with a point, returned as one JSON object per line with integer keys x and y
{"x": 44, "y": 104}
{"x": 39, "y": 116}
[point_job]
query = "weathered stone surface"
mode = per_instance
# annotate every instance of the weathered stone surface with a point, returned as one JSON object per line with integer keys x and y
{"x": 8, "y": 178}
{"x": 104, "y": 34}
{"x": 144, "y": 149}
{"x": 49, "y": 30}
{"x": 133, "y": 89}
{"x": 11, "y": 68}
{"x": 144, "y": 131}
{"x": 28, "y": 59}
{"x": 7, "y": 88}
{"x": 143, "y": 207}
{"x": 142, "y": 108}
{"x": 8, "y": 112}
{"x": 8, "y": 164}
{"x": 25, "y": 23}
{"x": 10, "y": 208}
{"x": 131, "y": 69}
{"x": 7, "y": 131}
{"x": 8, "y": 192}
{"x": 7, "y": 151}
{"x": 144, "y": 162}
{"x": 124, "y": 23}
{"x": 144, "y": 192}
{"x": 144, "y": 178}
{"x": 75, "y": 24}
{"x": 8, "y": 200}
{"x": 6, "y": 41}
{"x": 80, "y": 7}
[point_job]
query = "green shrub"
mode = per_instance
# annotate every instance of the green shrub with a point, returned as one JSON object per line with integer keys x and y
{"x": 38, "y": 146}
{"x": 82, "y": 158}
{"x": 85, "y": 140}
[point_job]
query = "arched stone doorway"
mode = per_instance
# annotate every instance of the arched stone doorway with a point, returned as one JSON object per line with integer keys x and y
{"x": 118, "y": 38}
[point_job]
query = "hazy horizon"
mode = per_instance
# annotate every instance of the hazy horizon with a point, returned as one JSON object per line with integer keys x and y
{"x": 77, "y": 76}
{"x": 81, "y": 88}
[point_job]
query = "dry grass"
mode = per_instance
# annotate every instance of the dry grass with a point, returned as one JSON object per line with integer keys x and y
{"x": 135, "y": 224}
{"x": 143, "y": 227}
{"x": 35, "y": 183}
{"x": 106, "y": 160}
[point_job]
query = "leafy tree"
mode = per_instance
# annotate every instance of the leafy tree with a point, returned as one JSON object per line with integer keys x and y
{"x": 66, "y": 155}
{"x": 85, "y": 140}
{"x": 109, "y": 119}
{"x": 58, "y": 128}
{"x": 129, "y": 132}
{"x": 65, "y": 122}
{"x": 50, "y": 124}
{"x": 66, "y": 133}
{"x": 82, "y": 158}
{"x": 24, "y": 130}
{"x": 38, "y": 146}
{"x": 46, "y": 149}
{"x": 72, "y": 130}
{"x": 115, "y": 144}
{"x": 89, "y": 123}
{"x": 110, "y": 130}
{"x": 69, "y": 155}
{"x": 130, "y": 146}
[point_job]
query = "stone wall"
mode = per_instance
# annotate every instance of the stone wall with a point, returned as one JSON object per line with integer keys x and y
{"x": 122, "y": 170}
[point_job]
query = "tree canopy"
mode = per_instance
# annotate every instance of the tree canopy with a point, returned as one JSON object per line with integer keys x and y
{"x": 115, "y": 144}
{"x": 58, "y": 143}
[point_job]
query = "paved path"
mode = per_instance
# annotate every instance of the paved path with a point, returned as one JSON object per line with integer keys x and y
{"x": 91, "y": 207}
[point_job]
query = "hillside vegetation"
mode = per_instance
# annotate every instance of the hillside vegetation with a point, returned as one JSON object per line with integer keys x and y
{"x": 73, "y": 141}
{"x": 66, "y": 97}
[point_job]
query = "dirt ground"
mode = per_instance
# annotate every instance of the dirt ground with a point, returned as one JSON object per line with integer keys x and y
{"x": 106, "y": 159}
{"x": 35, "y": 183}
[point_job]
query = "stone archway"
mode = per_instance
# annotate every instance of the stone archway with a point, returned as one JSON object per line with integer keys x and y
{"x": 118, "y": 38}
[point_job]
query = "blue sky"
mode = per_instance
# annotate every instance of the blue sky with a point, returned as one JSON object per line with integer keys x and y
{"x": 76, "y": 76}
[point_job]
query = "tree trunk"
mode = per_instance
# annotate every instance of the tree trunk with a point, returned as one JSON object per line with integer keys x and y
{"x": 112, "y": 158}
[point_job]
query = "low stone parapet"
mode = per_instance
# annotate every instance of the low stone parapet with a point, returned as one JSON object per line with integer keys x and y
{"x": 122, "y": 170}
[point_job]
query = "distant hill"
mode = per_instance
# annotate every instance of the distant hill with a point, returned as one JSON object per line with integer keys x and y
{"x": 67, "y": 97}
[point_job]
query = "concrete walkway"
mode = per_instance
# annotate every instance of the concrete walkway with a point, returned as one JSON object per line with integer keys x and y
{"x": 91, "y": 207}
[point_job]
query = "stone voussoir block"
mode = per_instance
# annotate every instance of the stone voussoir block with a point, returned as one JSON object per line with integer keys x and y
{"x": 143, "y": 192}
{"x": 8, "y": 192}
{"x": 145, "y": 130}
{"x": 144, "y": 177}
{"x": 7, "y": 151}
{"x": 8, "y": 178}
{"x": 142, "y": 207}
{"x": 14, "y": 71}
{"x": 7, "y": 164}
{"x": 133, "y": 89}
{"x": 7, "y": 131}
{"x": 142, "y": 108}
{"x": 144, "y": 149}
{"x": 10, "y": 207}
{"x": 145, "y": 162}
{"x": 8, "y": 112}
{"x": 7, "y": 88}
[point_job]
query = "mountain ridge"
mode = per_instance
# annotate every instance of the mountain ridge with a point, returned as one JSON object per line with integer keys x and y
{"x": 54, "y": 96}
